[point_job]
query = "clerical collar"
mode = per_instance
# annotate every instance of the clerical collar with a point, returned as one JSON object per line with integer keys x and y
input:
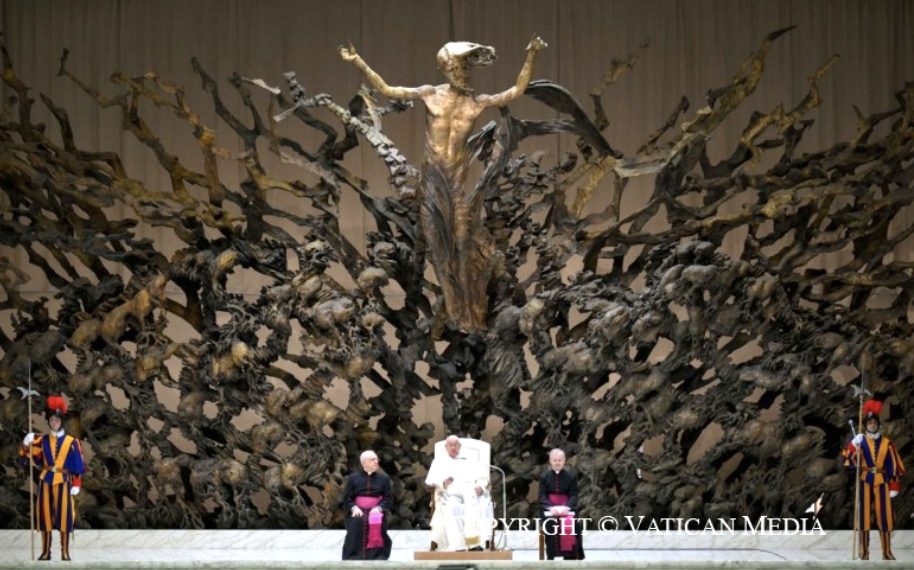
{"x": 58, "y": 434}
{"x": 557, "y": 472}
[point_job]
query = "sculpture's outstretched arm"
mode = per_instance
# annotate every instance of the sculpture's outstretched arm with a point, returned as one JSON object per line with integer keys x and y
{"x": 523, "y": 79}
{"x": 349, "y": 54}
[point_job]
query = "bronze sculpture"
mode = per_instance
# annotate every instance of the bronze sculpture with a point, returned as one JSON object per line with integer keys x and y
{"x": 459, "y": 246}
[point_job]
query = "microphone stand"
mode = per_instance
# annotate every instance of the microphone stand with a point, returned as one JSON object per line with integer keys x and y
{"x": 504, "y": 500}
{"x": 504, "y": 504}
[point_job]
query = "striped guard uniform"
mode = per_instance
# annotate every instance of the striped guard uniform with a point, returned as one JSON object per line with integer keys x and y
{"x": 61, "y": 462}
{"x": 881, "y": 469}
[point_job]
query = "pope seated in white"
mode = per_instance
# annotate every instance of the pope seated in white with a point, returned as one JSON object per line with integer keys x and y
{"x": 463, "y": 509}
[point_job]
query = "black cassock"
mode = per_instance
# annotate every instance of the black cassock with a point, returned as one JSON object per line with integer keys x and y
{"x": 564, "y": 482}
{"x": 375, "y": 485}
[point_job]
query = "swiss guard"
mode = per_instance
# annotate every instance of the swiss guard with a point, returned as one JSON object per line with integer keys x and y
{"x": 880, "y": 471}
{"x": 60, "y": 459}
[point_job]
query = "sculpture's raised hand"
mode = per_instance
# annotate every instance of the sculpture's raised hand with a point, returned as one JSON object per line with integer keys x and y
{"x": 536, "y": 44}
{"x": 348, "y": 53}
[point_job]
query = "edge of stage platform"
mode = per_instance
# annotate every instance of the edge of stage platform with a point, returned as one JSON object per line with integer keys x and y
{"x": 322, "y": 549}
{"x": 464, "y": 555}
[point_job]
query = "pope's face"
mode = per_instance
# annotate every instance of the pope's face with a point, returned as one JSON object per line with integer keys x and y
{"x": 452, "y": 447}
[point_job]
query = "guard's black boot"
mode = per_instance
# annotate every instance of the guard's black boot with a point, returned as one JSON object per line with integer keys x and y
{"x": 886, "y": 538}
{"x": 65, "y": 546}
{"x": 45, "y": 546}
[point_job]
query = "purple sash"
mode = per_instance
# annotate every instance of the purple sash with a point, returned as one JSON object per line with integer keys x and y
{"x": 567, "y": 539}
{"x": 375, "y": 540}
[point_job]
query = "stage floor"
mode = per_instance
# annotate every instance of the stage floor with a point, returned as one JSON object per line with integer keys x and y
{"x": 321, "y": 549}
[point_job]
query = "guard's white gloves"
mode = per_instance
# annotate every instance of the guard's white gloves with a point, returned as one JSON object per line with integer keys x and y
{"x": 858, "y": 439}
{"x": 893, "y": 494}
{"x": 74, "y": 491}
{"x": 28, "y": 439}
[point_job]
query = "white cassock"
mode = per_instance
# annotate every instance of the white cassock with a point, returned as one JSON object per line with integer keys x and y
{"x": 461, "y": 519}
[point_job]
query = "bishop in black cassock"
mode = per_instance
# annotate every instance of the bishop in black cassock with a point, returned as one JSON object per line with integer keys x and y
{"x": 559, "y": 501}
{"x": 366, "y": 500}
